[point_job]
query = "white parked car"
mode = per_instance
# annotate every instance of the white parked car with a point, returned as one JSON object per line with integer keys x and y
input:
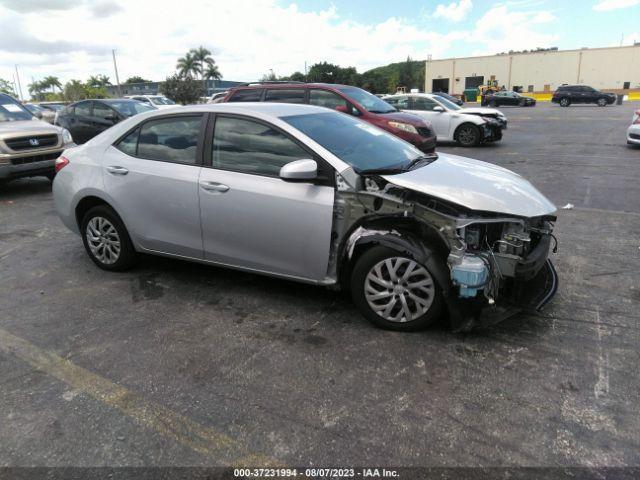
{"x": 467, "y": 126}
{"x": 633, "y": 132}
{"x": 158, "y": 101}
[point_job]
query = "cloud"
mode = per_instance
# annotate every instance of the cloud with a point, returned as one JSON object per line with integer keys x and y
{"x": 24, "y": 6}
{"x": 454, "y": 11}
{"x": 606, "y": 5}
{"x": 501, "y": 29}
{"x": 104, "y": 8}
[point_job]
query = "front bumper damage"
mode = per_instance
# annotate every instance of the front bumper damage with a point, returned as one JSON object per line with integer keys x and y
{"x": 521, "y": 277}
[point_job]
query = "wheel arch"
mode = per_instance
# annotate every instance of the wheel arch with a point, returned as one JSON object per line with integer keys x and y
{"x": 90, "y": 200}
{"x": 466, "y": 122}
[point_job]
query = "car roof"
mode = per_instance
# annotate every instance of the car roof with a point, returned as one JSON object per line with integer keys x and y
{"x": 257, "y": 86}
{"x": 265, "y": 108}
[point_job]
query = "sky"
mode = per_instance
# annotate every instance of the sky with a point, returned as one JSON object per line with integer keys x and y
{"x": 74, "y": 38}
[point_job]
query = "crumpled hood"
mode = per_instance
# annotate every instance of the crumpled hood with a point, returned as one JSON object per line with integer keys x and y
{"x": 480, "y": 111}
{"x": 476, "y": 185}
{"x": 27, "y": 126}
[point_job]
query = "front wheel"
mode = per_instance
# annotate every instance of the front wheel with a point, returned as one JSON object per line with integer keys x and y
{"x": 565, "y": 102}
{"x": 394, "y": 291}
{"x": 602, "y": 102}
{"x": 468, "y": 135}
{"x": 106, "y": 239}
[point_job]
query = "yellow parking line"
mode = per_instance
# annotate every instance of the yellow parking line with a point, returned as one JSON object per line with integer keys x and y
{"x": 222, "y": 449}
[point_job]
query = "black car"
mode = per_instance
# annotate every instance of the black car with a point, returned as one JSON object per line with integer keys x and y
{"x": 565, "y": 95}
{"x": 499, "y": 99}
{"x": 451, "y": 98}
{"x": 88, "y": 118}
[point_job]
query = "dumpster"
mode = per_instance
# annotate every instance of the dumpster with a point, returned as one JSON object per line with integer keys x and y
{"x": 470, "y": 94}
{"x": 619, "y": 99}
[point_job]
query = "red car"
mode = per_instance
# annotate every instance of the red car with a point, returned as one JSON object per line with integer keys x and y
{"x": 344, "y": 98}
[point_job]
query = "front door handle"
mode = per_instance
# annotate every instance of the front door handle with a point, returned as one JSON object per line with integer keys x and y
{"x": 117, "y": 170}
{"x": 214, "y": 187}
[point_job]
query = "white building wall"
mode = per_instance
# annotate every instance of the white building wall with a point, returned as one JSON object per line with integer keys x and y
{"x": 605, "y": 68}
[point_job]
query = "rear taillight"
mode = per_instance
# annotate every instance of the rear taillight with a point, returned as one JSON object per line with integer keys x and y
{"x": 61, "y": 162}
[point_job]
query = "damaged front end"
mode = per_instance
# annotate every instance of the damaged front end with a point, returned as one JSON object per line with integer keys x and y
{"x": 488, "y": 265}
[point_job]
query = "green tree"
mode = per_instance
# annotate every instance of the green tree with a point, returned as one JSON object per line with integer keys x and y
{"x": 405, "y": 75}
{"x": 136, "y": 79}
{"x": 97, "y": 81}
{"x": 6, "y": 87}
{"x": 188, "y": 66}
{"x": 269, "y": 77}
{"x": 182, "y": 89}
{"x": 295, "y": 77}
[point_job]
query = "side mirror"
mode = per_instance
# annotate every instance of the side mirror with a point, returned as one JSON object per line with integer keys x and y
{"x": 38, "y": 115}
{"x": 299, "y": 171}
{"x": 438, "y": 109}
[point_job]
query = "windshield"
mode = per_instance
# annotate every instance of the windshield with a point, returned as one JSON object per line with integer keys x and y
{"x": 356, "y": 142}
{"x": 446, "y": 103}
{"x": 369, "y": 102}
{"x": 56, "y": 107}
{"x": 11, "y": 111}
{"x": 162, "y": 101}
{"x": 33, "y": 108}
{"x": 129, "y": 108}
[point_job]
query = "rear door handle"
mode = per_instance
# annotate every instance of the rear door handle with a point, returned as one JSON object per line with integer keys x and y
{"x": 117, "y": 170}
{"x": 214, "y": 187}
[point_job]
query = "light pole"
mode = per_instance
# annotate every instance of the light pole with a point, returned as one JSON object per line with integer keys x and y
{"x": 115, "y": 67}
{"x": 19, "y": 85}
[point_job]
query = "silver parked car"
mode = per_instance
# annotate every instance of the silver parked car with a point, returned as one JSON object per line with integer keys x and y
{"x": 313, "y": 195}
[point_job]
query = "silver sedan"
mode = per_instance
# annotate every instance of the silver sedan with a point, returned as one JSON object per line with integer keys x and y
{"x": 312, "y": 195}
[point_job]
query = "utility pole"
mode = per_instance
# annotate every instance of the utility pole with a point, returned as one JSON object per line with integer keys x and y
{"x": 19, "y": 86}
{"x": 115, "y": 67}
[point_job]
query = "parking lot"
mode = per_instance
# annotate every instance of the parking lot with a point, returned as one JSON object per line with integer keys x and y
{"x": 178, "y": 364}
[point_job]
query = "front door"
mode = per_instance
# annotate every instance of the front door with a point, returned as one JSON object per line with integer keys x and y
{"x": 424, "y": 106}
{"x": 80, "y": 122}
{"x": 152, "y": 177}
{"x": 103, "y": 117}
{"x": 250, "y": 217}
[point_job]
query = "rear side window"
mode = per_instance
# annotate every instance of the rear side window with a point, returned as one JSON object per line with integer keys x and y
{"x": 246, "y": 146}
{"x": 129, "y": 144}
{"x": 246, "y": 96}
{"x": 398, "y": 102}
{"x": 423, "y": 103}
{"x": 168, "y": 139}
{"x": 282, "y": 95}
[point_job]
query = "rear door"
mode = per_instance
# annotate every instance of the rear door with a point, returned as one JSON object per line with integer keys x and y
{"x": 79, "y": 121}
{"x": 103, "y": 117}
{"x": 253, "y": 219}
{"x": 152, "y": 175}
{"x": 286, "y": 95}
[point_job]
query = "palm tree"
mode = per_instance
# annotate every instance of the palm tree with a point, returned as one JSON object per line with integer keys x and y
{"x": 211, "y": 73}
{"x": 52, "y": 82}
{"x": 203, "y": 58}
{"x": 188, "y": 66}
{"x": 98, "y": 81}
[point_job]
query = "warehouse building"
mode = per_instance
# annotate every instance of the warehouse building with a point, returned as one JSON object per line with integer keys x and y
{"x": 153, "y": 88}
{"x": 615, "y": 69}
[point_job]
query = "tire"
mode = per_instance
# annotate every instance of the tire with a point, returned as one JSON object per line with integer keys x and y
{"x": 102, "y": 224}
{"x": 468, "y": 135}
{"x": 565, "y": 102}
{"x": 602, "y": 102}
{"x": 522, "y": 103}
{"x": 402, "y": 312}
{"x": 51, "y": 176}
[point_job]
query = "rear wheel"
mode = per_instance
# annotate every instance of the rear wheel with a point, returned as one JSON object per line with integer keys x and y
{"x": 468, "y": 135}
{"x": 602, "y": 102}
{"x": 106, "y": 239}
{"x": 565, "y": 102}
{"x": 394, "y": 291}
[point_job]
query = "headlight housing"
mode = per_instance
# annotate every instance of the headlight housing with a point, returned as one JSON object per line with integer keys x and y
{"x": 405, "y": 127}
{"x": 66, "y": 136}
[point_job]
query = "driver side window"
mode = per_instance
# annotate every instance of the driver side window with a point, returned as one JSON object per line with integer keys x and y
{"x": 401, "y": 103}
{"x": 246, "y": 146}
{"x": 423, "y": 103}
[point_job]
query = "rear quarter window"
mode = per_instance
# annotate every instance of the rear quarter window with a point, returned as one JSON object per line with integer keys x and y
{"x": 249, "y": 95}
{"x": 282, "y": 95}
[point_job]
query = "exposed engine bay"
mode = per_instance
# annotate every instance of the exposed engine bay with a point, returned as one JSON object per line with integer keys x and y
{"x": 491, "y": 262}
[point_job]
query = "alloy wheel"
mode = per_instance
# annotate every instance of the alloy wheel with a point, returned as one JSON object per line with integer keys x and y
{"x": 399, "y": 289}
{"x": 467, "y": 136}
{"x": 103, "y": 240}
